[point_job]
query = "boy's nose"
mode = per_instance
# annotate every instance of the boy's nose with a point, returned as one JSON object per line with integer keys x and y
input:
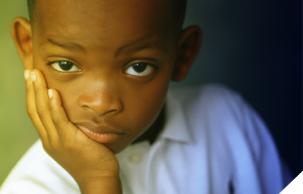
{"x": 101, "y": 101}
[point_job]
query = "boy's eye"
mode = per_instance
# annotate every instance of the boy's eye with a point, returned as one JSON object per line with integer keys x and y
{"x": 140, "y": 69}
{"x": 64, "y": 66}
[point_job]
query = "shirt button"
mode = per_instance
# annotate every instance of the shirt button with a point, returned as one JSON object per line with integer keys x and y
{"x": 135, "y": 158}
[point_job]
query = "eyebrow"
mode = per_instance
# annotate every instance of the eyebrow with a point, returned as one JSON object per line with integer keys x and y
{"x": 64, "y": 45}
{"x": 132, "y": 47}
{"x": 129, "y": 47}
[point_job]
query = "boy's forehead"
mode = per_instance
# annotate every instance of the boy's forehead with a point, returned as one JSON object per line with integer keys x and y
{"x": 103, "y": 18}
{"x": 104, "y": 6}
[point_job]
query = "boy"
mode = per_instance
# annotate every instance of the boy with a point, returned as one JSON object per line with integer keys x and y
{"x": 97, "y": 74}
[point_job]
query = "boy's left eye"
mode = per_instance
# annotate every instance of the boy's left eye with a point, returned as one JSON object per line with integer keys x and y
{"x": 140, "y": 69}
{"x": 64, "y": 66}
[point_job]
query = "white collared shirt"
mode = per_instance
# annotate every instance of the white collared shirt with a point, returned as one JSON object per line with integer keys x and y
{"x": 212, "y": 143}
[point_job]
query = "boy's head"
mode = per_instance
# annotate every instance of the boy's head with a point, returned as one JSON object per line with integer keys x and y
{"x": 111, "y": 61}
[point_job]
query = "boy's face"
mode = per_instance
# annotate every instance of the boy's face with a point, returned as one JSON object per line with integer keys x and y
{"x": 111, "y": 62}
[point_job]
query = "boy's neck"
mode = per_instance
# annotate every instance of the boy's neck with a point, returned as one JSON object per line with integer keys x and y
{"x": 153, "y": 131}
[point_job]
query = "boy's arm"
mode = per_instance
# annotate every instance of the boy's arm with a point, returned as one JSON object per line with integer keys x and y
{"x": 92, "y": 165}
{"x": 111, "y": 185}
{"x": 273, "y": 175}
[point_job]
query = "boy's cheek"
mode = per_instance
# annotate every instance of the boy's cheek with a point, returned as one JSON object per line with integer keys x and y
{"x": 68, "y": 98}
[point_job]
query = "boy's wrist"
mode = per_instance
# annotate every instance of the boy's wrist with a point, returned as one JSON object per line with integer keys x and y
{"x": 104, "y": 185}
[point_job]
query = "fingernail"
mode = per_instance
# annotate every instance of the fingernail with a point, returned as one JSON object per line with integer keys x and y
{"x": 50, "y": 93}
{"x": 26, "y": 74}
{"x": 33, "y": 76}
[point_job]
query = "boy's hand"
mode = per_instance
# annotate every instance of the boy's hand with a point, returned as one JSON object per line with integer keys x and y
{"x": 91, "y": 164}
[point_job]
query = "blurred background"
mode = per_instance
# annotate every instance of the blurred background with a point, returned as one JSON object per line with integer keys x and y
{"x": 254, "y": 47}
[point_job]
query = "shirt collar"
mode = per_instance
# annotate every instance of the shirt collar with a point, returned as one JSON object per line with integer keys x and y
{"x": 176, "y": 127}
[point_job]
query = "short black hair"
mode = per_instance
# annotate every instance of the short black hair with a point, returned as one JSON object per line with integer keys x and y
{"x": 181, "y": 8}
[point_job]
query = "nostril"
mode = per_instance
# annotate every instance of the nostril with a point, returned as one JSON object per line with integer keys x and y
{"x": 101, "y": 105}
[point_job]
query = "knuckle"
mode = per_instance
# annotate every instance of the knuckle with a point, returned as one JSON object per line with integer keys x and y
{"x": 40, "y": 111}
{"x": 37, "y": 89}
{"x": 30, "y": 113}
{"x": 56, "y": 120}
{"x": 30, "y": 107}
{"x": 53, "y": 111}
{"x": 28, "y": 87}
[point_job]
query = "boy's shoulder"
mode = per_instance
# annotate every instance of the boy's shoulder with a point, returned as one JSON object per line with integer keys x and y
{"x": 213, "y": 92}
{"x": 224, "y": 127}
{"x": 210, "y": 110}
{"x": 210, "y": 99}
{"x": 221, "y": 114}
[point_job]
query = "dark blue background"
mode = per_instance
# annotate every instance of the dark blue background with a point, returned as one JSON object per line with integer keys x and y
{"x": 255, "y": 48}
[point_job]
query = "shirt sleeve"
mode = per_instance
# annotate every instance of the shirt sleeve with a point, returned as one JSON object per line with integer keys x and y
{"x": 271, "y": 173}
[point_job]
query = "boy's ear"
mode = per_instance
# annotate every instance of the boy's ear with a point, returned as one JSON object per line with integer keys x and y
{"x": 188, "y": 47}
{"x": 22, "y": 34}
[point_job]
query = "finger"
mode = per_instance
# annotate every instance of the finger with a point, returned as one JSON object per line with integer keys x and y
{"x": 42, "y": 108}
{"x": 65, "y": 128}
{"x": 31, "y": 107}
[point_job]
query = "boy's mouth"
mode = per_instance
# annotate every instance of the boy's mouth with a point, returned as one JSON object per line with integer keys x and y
{"x": 101, "y": 134}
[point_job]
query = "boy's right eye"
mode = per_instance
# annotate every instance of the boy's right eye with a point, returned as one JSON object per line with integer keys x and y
{"x": 64, "y": 66}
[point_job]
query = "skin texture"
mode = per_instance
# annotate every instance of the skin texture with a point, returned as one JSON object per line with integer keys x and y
{"x": 102, "y": 94}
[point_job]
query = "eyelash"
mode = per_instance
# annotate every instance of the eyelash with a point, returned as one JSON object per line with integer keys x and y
{"x": 57, "y": 66}
{"x": 150, "y": 67}
{"x": 146, "y": 66}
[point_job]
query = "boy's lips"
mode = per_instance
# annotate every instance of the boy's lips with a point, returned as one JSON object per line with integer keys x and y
{"x": 101, "y": 134}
